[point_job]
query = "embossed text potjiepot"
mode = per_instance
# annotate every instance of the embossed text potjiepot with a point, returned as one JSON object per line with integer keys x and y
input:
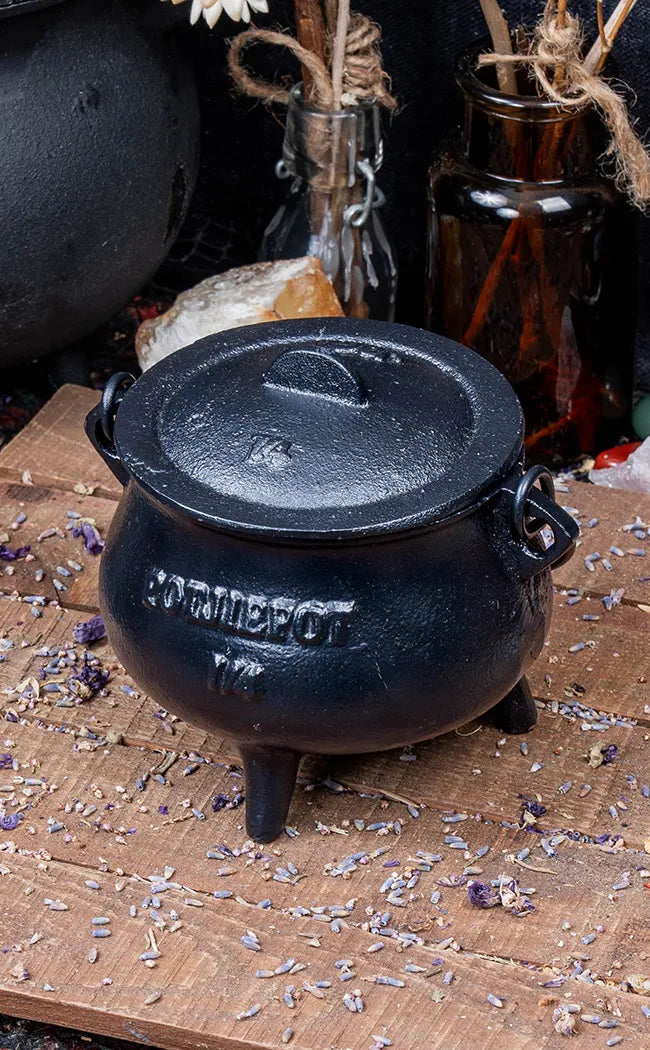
{"x": 326, "y": 542}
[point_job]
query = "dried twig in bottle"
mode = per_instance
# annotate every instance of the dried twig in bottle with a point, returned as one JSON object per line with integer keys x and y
{"x": 560, "y": 21}
{"x": 338, "y": 51}
{"x": 597, "y": 55}
{"x": 310, "y": 30}
{"x": 331, "y": 15}
{"x": 501, "y": 43}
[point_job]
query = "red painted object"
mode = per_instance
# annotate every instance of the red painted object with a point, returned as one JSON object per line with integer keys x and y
{"x": 612, "y": 456}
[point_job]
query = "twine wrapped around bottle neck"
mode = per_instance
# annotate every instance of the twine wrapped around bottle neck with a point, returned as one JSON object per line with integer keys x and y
{"x": 555, "y": 58}
{"x": 363, "y": 74}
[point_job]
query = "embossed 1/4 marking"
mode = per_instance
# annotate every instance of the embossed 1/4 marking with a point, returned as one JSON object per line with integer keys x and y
{"x": 238, "y": 676}
{"x": 271, "y": 450}
{"x": 257, "y": 616}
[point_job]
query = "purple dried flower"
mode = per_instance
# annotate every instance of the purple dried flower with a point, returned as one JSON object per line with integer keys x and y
{"x": 89, "y": 680}
{"x": 164, "y": 810}
{"x": 221, "y": 801}
{"x": 533, "y": 807}
{"x": 8, "y": 555}
{"x": 481, "y": 895}
{"x": 93, "y": 542}
{"x": 609, "y": 753}
{"x": 6, "y": 761}
{"x": 10, "y": 822}
{"x": 90, "y": 630}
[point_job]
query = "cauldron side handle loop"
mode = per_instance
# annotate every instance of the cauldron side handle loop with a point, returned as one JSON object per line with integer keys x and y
{"x": 100, "y": 423}
{"x": 532, "y": 510}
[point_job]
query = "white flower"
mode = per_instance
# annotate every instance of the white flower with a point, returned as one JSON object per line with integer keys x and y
{"x": 238, "y": 10}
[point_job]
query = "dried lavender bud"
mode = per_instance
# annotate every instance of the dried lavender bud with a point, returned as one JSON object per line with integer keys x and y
{"x": 221, "y": 801}
{"x": 563, "y": 1022}
{"x": 90, "y": 630}
{"x": 481, "y": 896}
{"x": 93, "y": 542}
{"x": 609, "y": 753}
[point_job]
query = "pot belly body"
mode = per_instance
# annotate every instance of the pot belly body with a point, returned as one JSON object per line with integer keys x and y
{"x": 341, "y": 649}
{"x": 99, "y": 159}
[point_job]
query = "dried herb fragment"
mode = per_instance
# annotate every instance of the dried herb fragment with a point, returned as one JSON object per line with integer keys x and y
{"x": 90, "y": 630}
{"x": 221, "y": 801}
{"x": 93, "y": 542}
{"x": 564, "y": 1022}
{"x": 89, "y": 680}
{"x": 480, "y": 895}
{"x": 512, "y": 898}
{"x": 10, "y": 822}
{"x": 7, "y": 554}
{"x": 600, "y": 755}
{"x": 531, "y": 810}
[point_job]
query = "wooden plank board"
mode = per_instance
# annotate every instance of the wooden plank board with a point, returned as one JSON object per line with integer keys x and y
{"x": 133, "y": 835}
{"x": 462, "y": 773}
{"x": 612, "y": 510}
{"x": 205, "y": 977}
{"x": 54, "y": 448}
{"x": 123, "y": 709}
{"x": 128, "y": 831}
{"x": 456, "y": 771}
{"x": 613, "y": 668}
{"x": 46, "y": 509}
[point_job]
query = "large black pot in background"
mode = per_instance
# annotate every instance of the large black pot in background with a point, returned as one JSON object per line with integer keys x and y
{"x": 325, "y": 543}
{"x": 99, "y": 157}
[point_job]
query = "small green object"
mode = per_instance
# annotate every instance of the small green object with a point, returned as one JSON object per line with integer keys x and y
{"x": 641, "y": 418}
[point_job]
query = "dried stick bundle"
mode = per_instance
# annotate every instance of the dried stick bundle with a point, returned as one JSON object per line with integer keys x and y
{"x": 555, "y": 57}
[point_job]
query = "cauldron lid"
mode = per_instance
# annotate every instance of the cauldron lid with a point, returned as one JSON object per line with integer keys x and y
{"x": 320, "y": 429}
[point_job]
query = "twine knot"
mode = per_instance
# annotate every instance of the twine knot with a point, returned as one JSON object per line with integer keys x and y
{"x": 555, "y": 58}
{"x": 363, "y": 74}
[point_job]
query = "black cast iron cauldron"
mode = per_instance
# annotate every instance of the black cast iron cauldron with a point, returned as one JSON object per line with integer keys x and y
{"x": 100, "y": 134}
{"x": 325, "y": 543}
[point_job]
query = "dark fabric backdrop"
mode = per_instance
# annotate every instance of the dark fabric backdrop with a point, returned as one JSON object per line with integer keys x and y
{"x": 238, "y": 192}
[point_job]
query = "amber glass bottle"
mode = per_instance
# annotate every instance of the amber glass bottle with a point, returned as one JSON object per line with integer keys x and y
{"x": 531, "y": 262}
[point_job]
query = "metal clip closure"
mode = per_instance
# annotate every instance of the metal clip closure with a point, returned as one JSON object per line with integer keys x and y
{"x": 357, "y": 215}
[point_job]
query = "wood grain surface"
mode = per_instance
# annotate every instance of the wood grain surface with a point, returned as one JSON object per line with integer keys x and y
{"x": 100, "y": 829}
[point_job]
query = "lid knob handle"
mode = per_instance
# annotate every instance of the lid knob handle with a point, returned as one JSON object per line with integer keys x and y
{"x": 318, "y": 373}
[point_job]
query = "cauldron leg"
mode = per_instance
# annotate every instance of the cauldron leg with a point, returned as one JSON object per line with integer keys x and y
{"x": 517, "y": 712}
{"x": 270, "y": 780}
